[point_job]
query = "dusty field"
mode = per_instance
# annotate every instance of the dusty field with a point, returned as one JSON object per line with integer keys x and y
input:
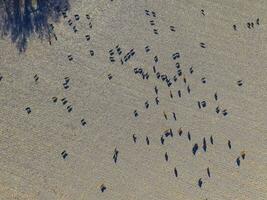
{"x": 31, "y": 164}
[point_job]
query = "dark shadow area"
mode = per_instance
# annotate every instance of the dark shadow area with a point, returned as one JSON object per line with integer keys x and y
{"x": 19, "y": 19}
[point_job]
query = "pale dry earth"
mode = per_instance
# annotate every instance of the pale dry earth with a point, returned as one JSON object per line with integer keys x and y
{"x": 31, "y": 166}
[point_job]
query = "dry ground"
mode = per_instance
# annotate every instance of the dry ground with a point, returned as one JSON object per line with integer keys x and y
{"x": 31, "y": 166}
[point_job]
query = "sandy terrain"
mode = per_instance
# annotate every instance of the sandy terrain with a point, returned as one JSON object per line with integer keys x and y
{"x": 31, "y": 164}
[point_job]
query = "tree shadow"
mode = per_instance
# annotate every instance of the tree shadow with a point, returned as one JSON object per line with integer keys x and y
{"x": 19, "y": 19}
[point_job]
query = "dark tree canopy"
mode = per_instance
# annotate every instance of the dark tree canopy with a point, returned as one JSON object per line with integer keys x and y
{"x": 19, "y": 19}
